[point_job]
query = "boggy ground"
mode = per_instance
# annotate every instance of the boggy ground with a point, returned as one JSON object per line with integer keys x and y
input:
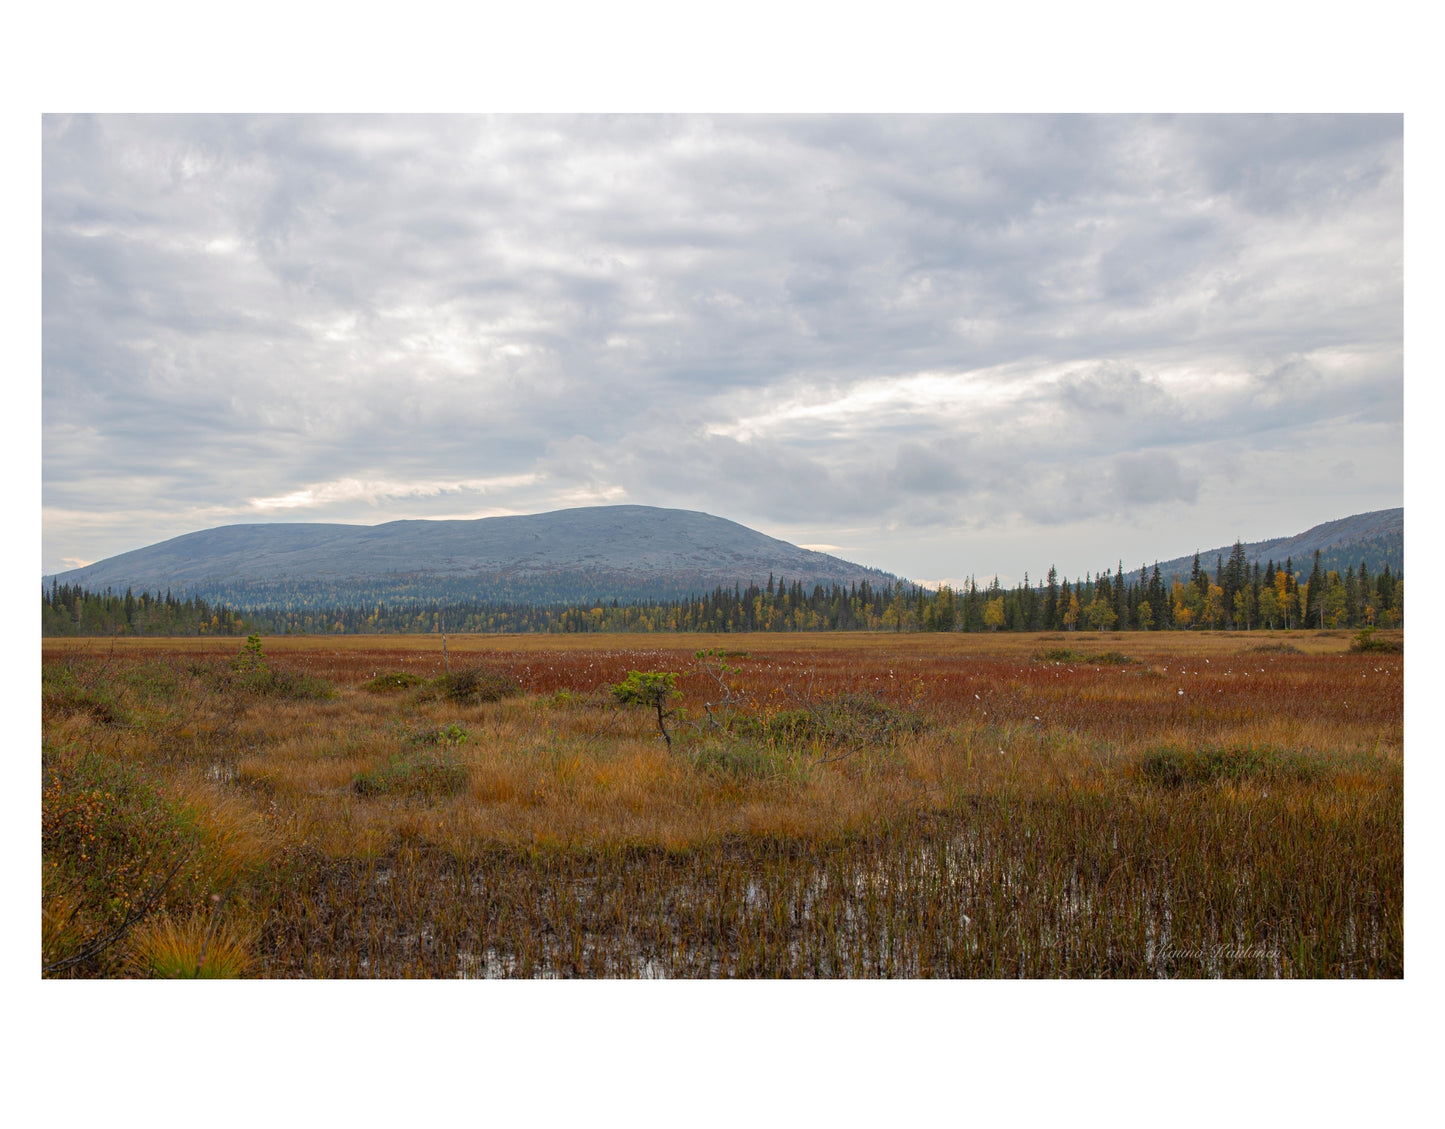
{"x": 1201, "y": 804}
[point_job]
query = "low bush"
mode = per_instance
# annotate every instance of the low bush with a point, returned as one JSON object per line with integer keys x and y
{"x": 249, "y": 673}
{"x": 112, "y": 849}
{"x": 468, "y": 687}
{"x": 425, "y": 771}
{"x": 744, "y": 760}
{"x": 1274, "y": 649}
{"x": 393, "y": 682}
{"x": 1173, "y": 767}
{"x": 450, "y": 735}
{"x": 1367, "y": 642}
{"x": 64, "y": 692}
{"x": 846, "y": 719}
{"x": 1060, "y": 655}
{"x": 1065, "y": 655}
{"x": 283, "y": 684}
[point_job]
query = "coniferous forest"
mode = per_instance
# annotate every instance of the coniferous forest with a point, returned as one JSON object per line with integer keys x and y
{"x": 1233, "y": 595}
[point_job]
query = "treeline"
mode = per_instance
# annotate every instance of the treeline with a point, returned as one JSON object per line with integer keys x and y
{"x": 1236, "y": 595}
{"x": 67, "y": 609}
{"x": 576, "y": 587}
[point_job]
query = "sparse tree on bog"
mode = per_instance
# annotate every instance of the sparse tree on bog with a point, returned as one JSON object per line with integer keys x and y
{"x": 650, "y": 688}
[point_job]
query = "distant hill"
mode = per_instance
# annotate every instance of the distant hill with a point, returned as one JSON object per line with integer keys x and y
{"x": 628, "y": 553}
{"x": 1377, "y": 538}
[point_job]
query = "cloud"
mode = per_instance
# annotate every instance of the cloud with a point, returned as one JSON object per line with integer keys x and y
{"x": 1152, "y": 478}
{"x": 351, "y": 489}
{"x": 890, "y": 323}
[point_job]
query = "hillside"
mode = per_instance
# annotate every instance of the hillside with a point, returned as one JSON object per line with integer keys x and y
{"x": 1377, "y": 538}
{"x": 602, "y": 552}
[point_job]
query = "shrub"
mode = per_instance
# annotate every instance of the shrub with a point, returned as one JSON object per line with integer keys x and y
{"x": 284, "y": 684}
{"x": 652, "y": 689}
{"x": 450, "y": 735}
{"x": 1174, "y": 767}
{"x": 1065, "y": 655}
{"x": 63, "y": 693}
{"x": 393, "y": 682}
{"x": 846, "y": 719}
{"x": 743, "y": 760}
{"x": 478, "y": 684}
{"x": 112, "y": 850}
{"x": 1367, "y": 642}
{"x": 250, "y": 673}
{"x": 427, "y": 772}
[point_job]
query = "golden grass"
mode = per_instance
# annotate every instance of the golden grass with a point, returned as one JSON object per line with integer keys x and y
{"x": 1008, "y": 752}
{"x": 199, "y": 947}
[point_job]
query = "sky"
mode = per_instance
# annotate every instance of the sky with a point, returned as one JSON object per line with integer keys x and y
{"x": 942, "y": 345}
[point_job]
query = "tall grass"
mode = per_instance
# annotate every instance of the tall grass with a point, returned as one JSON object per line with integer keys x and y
{"x": 872, "y": 806}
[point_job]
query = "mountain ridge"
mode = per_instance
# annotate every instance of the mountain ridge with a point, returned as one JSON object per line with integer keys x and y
{"x": 631, "y": 552}
{"x": 1376, "y": 536}
{"x": 628, "y": 553}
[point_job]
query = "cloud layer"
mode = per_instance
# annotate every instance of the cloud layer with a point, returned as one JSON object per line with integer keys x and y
{"x": 944, "y": 344}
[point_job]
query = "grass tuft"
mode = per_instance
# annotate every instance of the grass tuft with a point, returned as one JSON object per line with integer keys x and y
{"x": 1184, "y": 767}
{"x": 421, "y": 772}
{"x": 195, "y": 948}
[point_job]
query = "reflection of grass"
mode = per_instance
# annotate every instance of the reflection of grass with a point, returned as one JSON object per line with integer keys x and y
{"x": 873, "y": 793}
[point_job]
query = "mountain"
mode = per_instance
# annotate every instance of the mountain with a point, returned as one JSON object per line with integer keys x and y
{"x": 601, "y": 552}
{"x": 1377, "y": 538}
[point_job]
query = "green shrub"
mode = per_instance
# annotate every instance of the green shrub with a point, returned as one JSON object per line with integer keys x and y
{"x": 1367, "y": 642}
{"x": 743, "y": 760}
{"x": 427, "y": 772}
{"x": 846, "y": 719}
{"x": 64, "y": 693}
{"x": 467, "y": 687}
{"x": 393, "y": 682}
{"x": 1173, "y": 767}
{"x": 1065, "y": 655}
{"x": 650, "y": 688}
{"x": 451, "y": 735}
{"x": 283, "y": 684}
{"x": 250, "y": 673}
{"x": 110, "y": 844}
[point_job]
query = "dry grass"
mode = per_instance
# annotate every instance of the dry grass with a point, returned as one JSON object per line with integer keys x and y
{"x": 875, "y": 805}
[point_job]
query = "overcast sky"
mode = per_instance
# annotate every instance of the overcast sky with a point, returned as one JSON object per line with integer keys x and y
{"x": 942, "y": 345}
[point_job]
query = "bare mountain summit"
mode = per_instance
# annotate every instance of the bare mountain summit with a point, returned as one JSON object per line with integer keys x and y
{"x": 602, "y": 552}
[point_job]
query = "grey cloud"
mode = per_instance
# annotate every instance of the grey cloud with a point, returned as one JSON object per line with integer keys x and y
{"x": 239, "y": 306}
{"x": 926, "y": 469}
{"x": 1154, "y": 478}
